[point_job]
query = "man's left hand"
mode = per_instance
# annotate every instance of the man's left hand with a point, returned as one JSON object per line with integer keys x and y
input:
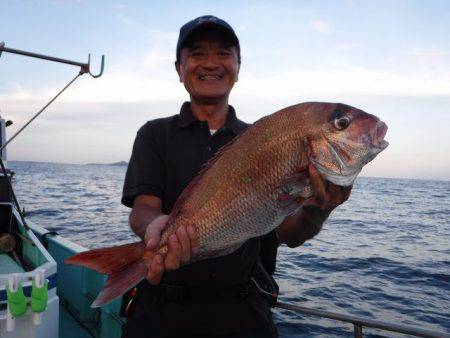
{"x": 326, "y": 195}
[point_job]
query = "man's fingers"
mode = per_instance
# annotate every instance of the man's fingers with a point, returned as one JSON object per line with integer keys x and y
{"x": 317, "y": 183}
{"x": 185, "y": 243}
{"x": 334, "y": 192}
{"x": 152, "y": 237}
{"x": 346, "y": 192}
{"x": 156, "y": 270}
{"x": 154, "y": 229}
{"x": 193, "y": 236}
{"x": 172, "y": 261}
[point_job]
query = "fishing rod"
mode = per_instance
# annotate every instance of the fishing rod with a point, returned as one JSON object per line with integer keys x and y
{"x": 84, "y": 68}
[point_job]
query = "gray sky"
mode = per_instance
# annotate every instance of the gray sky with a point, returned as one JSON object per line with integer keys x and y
{"x": 391, "y": 59}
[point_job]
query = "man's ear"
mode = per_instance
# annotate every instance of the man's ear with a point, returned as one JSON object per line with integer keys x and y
{"x": 177, "y": 68}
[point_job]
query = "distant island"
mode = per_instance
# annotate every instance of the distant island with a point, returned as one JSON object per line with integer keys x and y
{"x": 118, "y": 164}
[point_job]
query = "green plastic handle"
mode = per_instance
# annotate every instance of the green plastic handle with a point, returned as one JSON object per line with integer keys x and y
{"x": 39, "y": 297}
{"x": 16, "y": 301}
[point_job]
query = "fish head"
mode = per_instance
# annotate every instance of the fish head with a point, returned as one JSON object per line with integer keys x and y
{"x": 343, "y": 140}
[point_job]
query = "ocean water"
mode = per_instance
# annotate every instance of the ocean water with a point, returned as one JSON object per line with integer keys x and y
{"x": 384, "y": 254}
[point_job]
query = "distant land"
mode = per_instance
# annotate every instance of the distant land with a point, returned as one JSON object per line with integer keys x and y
{"x": 118, "y": 164}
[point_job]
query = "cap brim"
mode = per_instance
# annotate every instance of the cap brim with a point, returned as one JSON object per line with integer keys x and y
{"x": 210, "y": 25}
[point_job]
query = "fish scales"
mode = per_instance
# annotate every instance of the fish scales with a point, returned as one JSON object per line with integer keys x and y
{"x": 246, "y": 202}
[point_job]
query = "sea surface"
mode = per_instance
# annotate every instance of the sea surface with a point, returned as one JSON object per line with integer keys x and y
{"x": 384, "y": 254}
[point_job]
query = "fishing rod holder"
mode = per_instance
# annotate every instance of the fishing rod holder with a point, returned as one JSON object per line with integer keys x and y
{"x": 84, "y": 67}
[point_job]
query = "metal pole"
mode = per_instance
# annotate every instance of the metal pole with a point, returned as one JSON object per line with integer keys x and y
{"x": 85, "y": 67}
{"x": 358, "y": 330}
{"x": 361, "y": 321}
{"x": 44, "y": 57}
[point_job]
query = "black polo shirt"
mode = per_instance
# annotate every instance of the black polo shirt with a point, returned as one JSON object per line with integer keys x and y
{"x": 167, "y": 154}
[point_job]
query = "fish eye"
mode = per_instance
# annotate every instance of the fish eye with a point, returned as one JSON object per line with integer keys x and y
{"x": 341, "y": 122}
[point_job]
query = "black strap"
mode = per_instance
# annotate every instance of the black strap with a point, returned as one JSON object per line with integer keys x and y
{"x": 45, "y": 240}
{"x": 263, "y": 283}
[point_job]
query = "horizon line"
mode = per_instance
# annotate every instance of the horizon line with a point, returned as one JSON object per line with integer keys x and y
{"x": 110, "y": 163}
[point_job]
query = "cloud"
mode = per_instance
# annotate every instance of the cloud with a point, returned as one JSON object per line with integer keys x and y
{"x": 119, "y": 6}
{"x": 430, "y": 54}
{"x": 122, "y": 18}
{"x": 346, "y": 46}
{"x": 320, "y": 26}
{"x": 62, "y": 2}
{"x": 242, "y": 27}
{"x": 148, "y": 82}
{"x": 300, "y": 82}
{"x": 350, "y": 3}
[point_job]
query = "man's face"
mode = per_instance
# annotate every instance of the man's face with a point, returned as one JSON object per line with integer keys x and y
{"x": 208, "y": 68}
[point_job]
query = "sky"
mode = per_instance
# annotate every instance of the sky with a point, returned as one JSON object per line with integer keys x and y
{"x": 389, "y": 58}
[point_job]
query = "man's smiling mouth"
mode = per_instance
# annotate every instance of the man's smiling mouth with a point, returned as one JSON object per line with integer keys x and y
{"x": 210, "y": 77}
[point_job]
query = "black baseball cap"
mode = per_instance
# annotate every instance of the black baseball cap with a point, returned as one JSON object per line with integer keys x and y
{"x": 205, "y": 22}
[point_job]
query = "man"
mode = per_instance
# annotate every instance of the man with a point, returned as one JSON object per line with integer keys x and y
{"x": 215, "y": 297}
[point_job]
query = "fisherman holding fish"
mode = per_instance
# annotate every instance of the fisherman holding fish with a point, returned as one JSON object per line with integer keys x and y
{"x": 208, "y": 62}
{"x": 212, "y": 217}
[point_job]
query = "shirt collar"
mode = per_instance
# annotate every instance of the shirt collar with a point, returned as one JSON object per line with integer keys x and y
{"x": 232, "y": 123}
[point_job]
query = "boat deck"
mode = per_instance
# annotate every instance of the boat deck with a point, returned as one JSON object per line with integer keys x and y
{"x": 7, "y": 265}
{"x": 69, "y": 328}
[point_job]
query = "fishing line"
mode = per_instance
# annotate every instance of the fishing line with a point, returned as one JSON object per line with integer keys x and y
{"x": 84, "y": 68}
{"x": 40, "y": 111}
{"x": 8, "y": 180}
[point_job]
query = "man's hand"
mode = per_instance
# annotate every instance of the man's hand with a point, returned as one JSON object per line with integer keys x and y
{"x": 308, "y": 221}
{"x": 326, "y": 195}
{"x": 181, "y": 247}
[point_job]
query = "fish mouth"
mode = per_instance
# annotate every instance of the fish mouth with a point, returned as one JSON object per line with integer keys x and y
{"x": 378, "y": 141}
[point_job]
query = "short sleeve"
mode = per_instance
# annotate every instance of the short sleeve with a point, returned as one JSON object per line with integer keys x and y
{"x": 145, "y": 172}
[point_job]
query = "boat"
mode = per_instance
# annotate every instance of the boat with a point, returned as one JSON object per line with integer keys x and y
{"x": 41, "y": 297}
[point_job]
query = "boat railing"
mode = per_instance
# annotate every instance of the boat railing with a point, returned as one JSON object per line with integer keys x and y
{"x": 360, "y": 322}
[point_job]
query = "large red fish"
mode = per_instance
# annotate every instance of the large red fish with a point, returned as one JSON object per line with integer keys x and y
{"x": 253, "y": 183}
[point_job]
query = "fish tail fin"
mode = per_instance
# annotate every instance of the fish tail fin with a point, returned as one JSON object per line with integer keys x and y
{"x": 123, "y": 264}
{"x": 120, "y": 282}
{"x": 110, "y": 259}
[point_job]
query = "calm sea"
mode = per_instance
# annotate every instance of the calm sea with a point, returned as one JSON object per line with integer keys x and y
{"x": 385, "y": 254}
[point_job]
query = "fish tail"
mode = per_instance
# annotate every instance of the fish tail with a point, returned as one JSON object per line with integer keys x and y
{"x": 120, "y": 282}
{"x": 123, "y": 265}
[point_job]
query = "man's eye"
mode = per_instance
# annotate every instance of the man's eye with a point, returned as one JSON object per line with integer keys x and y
{"x": 196, "y": 53}
{"x": 224, "y": 52}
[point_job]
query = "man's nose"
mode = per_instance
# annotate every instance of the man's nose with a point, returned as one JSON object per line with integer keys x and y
{"x": 210, "y": 61}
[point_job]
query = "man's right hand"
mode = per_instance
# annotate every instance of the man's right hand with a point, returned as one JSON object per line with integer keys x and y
{"x": 181, "y": 247}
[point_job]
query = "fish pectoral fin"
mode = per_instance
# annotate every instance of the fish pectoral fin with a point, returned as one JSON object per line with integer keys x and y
{"x": 293, "y": 191}
{"x": 296, "y": 179}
